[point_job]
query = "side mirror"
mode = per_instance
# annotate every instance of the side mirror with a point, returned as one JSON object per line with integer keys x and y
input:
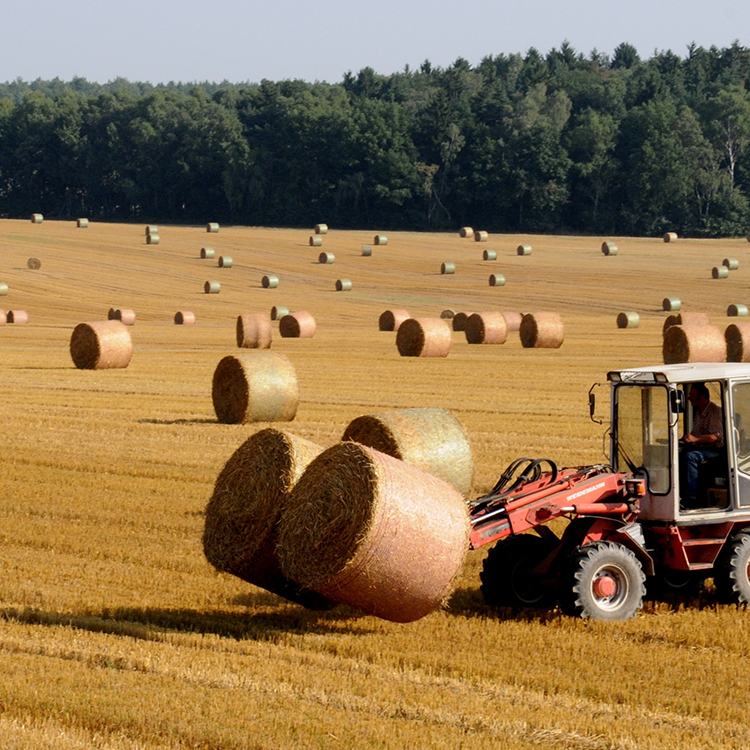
{"x": 592, "y": 405}
{"x": 677, "y": 402}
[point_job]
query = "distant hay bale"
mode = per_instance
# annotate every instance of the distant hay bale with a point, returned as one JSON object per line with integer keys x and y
{"x": 391, "y": 320}
{"x": 3, "y": 317}
{"x": 448, "y": 268}
{"x": 497, "y": 279}
{"x": 423, "y": 337}
{"x": 481, "y": 236}
{"x": 278, "y": 312}
{"x": 523, "y": 250}
{"x": 719, "y": 272}
{"x": 670, "y": 237}
{"x": 321, "y": 229}
{"x": 297, "y": 325}
{"x": 212, "y": 287}
{"x": 448, "y": 314}
{"x": 207, "y": 252}
{"x": 737, "y": 338}
{"x": 686, "y": 319}
{"x": 542, "y": 330}
{"x": 3, "y": 289}
{"x": 628, "y": 320}
{"x": 255, "y": 386}
{"x": 17, "y": 317}
{"x": 489, "y": 255}
{"x": 365, "y": 529}
{"x": 270, "y": 281}
{"x": 671, "y": 304}
{"x": 239, "y": 534}
{"x": 693, "y": 344}
{"x": 731, "y": 263}
{"x": 37, "y": 218}
{"x": 513, "y": 321}
{"x": 184, "y": 318}
{"x": 124, "y": 314}
{"x": 343, "y": 285}
{"x": 466, "y": 232}
{"x": 459, "y": 320}
{"x": 366, "y": 250}
{"x": 315, "y": 240}
{"x": 151, "y": 229}
{"x": 152, "y": 239}
{"x": 212, "y": 227}
{"x": 737, "y": 311}
{"x": 34, "y": 264}
{"x": 609, "y": 248}
{"x": 103, "y": 345}
{"x": 82, "y": 223}
{"x": 486, "y": 328}
{"x": 225, "y": 261}
{"x": 380, "y": 239}
{"x": 254, "y": 331}
{"x": 326, "y": 258}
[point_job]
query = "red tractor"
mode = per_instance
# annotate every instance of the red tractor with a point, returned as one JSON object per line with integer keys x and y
{"x": 631, "y": 521}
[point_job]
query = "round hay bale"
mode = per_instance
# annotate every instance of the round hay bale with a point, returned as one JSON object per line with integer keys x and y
{"x": 459, "y": 320}
{"x": 367, "y": 530}
{"x": 270, "y": 281}
{"x": 693, "y": 344}
{"x": 3, "y": 289}
{"x": 513, "y": 321}
{"x": 686, "y": 319}
{"x": 489, "y": 255}
{"x": 497, "y": 279}
{"x": 278, "y": 312}
{"x": 37, "y": 218}
{"x": 257, "y": 386}
{"x": 3, "y": 317}
{"x": 103, "y": 345}
{"x": 628, "y": 320}
{"x": 609, "y": 248}
{"x": 82, "y": 223}
{"x": 423, "y": 337}
{"x": 315, "y": 241}
{"x": 481, "y": 236}
{"x": 184, "y": 318}
{"x": 431, "y": 439}
{"x": 719, "y": 272}
{"x": 239, "y": 534}
{"x": 124, "y": 314}
{"x": 34, "y": 264}
{"x": 151, "y": 229}
{"x": 737, "y": 338}
{"x": 448, "y": 314}
{"x": 670, "y": 237}
{"x": 297, "y": 325}
{"x": 391, "y": 320}
{"x": 542, "y": 330}
{"x": 380, "y": 239}
{"x": 212, "y": 227}
{"x": 17, "y": 317}
{"x": 207, "y": 252}
{"x": 212, "y": 287}
{"x": 448, "y": 268}
{"x": 671, "y": 304}
{"x": 466, "y": 232}
{"x": 737, "y": 311}
{"x": 523, "y": 250}
{"x": 343, "y": 285}
{"x": 326, "y": 258}
{"x": 225, "y": 261}
{"x": 486, "y": 328}
{"x": 731, "y": 263}
{"x": 254, "y": 331}
{"x": 321, "y": 229}
{"x": 366, "y": 250}
{"x": 152, "y": 239}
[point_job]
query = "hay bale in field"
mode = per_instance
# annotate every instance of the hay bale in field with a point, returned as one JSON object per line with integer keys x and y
{"x": 365, "y": 529}
{"x": 212, "y": 227}
{"x": 34, "y": 264}
{"x": 523, "y": 250}
{"x": 212, "y": 287}
{"x": 670, "y": 236}
{"x": 431, "y": 439}
{"x": 671, "y": 304}
{"x": 466, "y": 232}
{"x": 326, "y": 258}
{"x": 343, "y": 285}
{"x": 37, "y": 218}
{"x": 513, "y": 321}
{"x": 481, "y": 236}
{"x": 686, "y": 319}
{"x": 423, "y": 337}
{"x": 542, "y": 330}
{"x": 297, "y": 325}
{"x": 380, "y": 239}
{"x": 459, "y": 320}
{"x": 152, "y": 239}
{"x": 448, "y": 314}
{"x": 102, "y": 345}
{"x": 719, "y": 272}
{"x": 366, "y": 250}
{"x": 693, "y": 344}
{"x": 737, "y": 339}
{"x": 609, "y": 248}
{"x": 448, "y": 268}
{"x": 628, "y": 320}
{"x": 255, "y": 386}
{"x": 321, "y": 229}
{"x": 17, "y": 317}
{"x": 239, "y": 534}
{"x": 151, "y": 229}
{"x": 269, "y": 281}
{"x": 207, "y": 252}
{"x": 731, "y": 263}
{"x": 3, "y": 289}
{"x": 315, "y": 241}
{"x": 225, "y": 261}
{"x": 489, "y": 255}
{"x": 82, "y": 223}
{"x": 254, "y": 331}
{"x": 737, "y": 311}
{"x": 391, "y": 320}
{"x": 124, "y": 314}
{"x": 278, "y": 312}
{"x": 497, "y": 279}
{"x": 486, "y": 328}
{"x": 3, "y": 317}
{"x": 184, "y": 318}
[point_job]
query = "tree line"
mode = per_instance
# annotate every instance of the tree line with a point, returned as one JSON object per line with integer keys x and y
{"x": 560, "y": 142}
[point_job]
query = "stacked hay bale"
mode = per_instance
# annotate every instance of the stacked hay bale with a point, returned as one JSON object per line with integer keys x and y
{"x": 297, "y": 325}
{"x": 424, "y": 337}
{"x": 152, "y": 234}
{"x": 101, "y": 345}
{"x": 254, "y": 331}
{"x": 697, "y": 343}
{"x": 391, "y": 320}
{"x": 486, "y": 328}
{"x": 542, "y": 330}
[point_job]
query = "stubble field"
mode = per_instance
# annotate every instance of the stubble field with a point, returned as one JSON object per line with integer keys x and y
{"x": 116, "y": 633}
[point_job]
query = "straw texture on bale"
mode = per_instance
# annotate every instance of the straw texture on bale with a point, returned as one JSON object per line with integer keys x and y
{"x": 207, "y": 252}
{"x": 254, "y": 331}
{"x": 82, "y": 223}
{"x": 391, "y": 320}
{"x": 152, "y": 239}
{"x": 481, "y": 236}
{"x": 489, "y": 255}
{"x": 225, "y": 261}
{"x": 693, "y": 344}
{"x": 737, "y": 311}
{"x": 315, "y": 240}
{"x": 3, "y": 289}
{"x": 737, "y": 338}
{"x": 151, "y": 229}
{"x": 366, "y": 250}
{"x": 686, "y": 319}
{"x": 239, "y": 534}
{"x": 423, "y": 337}
{"x": 184, "y": 318}
{"x": 459, "y": 320}
{"x": 124, "y": 314}
{"x": 628, "y": 320}
{"x": 257, "y": 386}
{"x": 326, "y": 258}
{"x": 670, "y": 236}
{"x": 609, "y": 248}
{"x": 542, "y": 330}
{"x": 731, "y": 263}
{"x": 448, "y": 314}
{"x": 486, "y": 328}
{"x": 448, "y": 268}
{"x": 34, "y": 264}
{"x": 466, "y": 232}
{"x": 37, "y": 218}
{"x": 671, "y": 304}
{"x": 212, "y": 287}
{"x": 719, "y": 272}
{"x": 343, "y": 285}
{"x": 380, "y": 239}
{"x": 103, "y": 345}
{"x": 513, "y": 321}
{"x": 3, "y": 317}
{"x": 497, "y": 279}
{"x": 17, "y": 317}
{"x": 270, "y": 281}
{"x": 367, "y": 530}
{"x": 278, "y": 312}
{"x": 297, "y": 325}
{"x": 523, "y": 250}
{"x": 212, "y": 227}
{"x": 321, "y": 229}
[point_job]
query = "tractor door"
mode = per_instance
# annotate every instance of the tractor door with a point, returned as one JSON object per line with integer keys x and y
{"x": 739, "y": 441}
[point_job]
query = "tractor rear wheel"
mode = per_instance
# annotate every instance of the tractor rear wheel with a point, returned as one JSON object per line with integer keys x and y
{"x": 602, "y": 580}
{"x": 506, "y": 577}
{"x": 732, "y": 570}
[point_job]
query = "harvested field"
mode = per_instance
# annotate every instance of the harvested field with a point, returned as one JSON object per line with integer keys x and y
{"x": 116, "y": 632}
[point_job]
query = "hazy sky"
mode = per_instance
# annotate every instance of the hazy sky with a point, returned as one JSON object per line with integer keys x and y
{"x": 198, "y": 40}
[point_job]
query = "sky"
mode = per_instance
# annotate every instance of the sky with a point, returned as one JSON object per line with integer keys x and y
{"x": 158, "y": 41}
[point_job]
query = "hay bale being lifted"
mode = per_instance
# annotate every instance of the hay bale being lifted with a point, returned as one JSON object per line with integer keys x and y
{"x": 207, "y": 252}
{"x": 373, "y": 532}
{"x": 82, "y": 223}
{"x": 671, "y": 304}
{"x": 239, "y": 534}
{"x": 124, "y": 314}
{"x": 486, "y": 328}
{"x": 466, "y": 232}
{"x": 34, "y": 264}
{"x": 609, "y": 248}
{"x": 17, "y": 317}
{"x": 321, "y": 229}
{"x": 670, "y": 236}
{"x": 423, "y": 337}
{"x": 628, "y": 320}
{"x": 737, "y": 338}
{"x": 737, "y": 311}
{"x": 686, "y": 319}
{"x": 37, "y": 218}
{"x": 391, "y": 320}
{"x": 315, "y": 241}
{"x": 212, "y": 227}
{"x": 102, "y": 345}
{"x": 254, "y": 331}
{"x": 255, "y": 386}
{"x": 693, "y": 344}
{"x": 731, "y": 263}
{"x": 542, "y": 330}
{"x": 184, "y": 318}
{"x": 513, "y": 321}
{"x": 297, "y": 325}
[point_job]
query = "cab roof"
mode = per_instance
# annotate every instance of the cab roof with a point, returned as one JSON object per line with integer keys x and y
{"x": 684, "y": 373}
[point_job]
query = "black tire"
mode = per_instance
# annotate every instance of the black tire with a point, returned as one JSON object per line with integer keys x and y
{"x": 731, "y": 574}
{"x": 597, "y": 566}
{"x": 682, "y": 583}
{"x": 505, "y": 578}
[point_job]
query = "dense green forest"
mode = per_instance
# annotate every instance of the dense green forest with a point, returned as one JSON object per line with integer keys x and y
{"x": 546, "y": 143}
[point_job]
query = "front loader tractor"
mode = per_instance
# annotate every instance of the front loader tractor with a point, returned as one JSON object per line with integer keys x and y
{"x": 634, "y": 521}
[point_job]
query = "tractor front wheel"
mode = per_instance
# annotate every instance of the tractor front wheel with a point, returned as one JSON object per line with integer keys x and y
{"x": 602, "y": 580}
{"x": 732, "y": 570}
